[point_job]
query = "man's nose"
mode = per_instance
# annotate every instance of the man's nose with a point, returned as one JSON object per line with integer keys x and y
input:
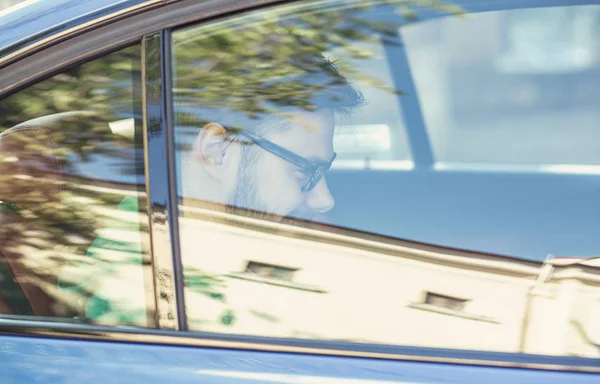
{"x": 319, "y": 198}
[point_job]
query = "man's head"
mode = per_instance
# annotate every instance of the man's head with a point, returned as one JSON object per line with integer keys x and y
{"x": 274, "y": 164}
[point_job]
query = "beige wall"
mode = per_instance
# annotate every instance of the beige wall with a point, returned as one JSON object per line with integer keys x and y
{"x": 8, "y": 3}
{"x": 375, "y": 294}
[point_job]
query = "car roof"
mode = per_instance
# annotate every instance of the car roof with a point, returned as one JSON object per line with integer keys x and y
{"x": 33, "y": 20}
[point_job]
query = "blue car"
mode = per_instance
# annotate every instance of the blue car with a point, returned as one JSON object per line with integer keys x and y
{"x": 338, "y": 191}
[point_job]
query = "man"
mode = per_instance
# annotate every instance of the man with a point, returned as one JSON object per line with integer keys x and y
{"x": 273, "y": 164}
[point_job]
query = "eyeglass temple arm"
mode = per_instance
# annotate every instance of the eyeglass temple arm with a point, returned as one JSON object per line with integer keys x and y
{"x": 280, "y": 151}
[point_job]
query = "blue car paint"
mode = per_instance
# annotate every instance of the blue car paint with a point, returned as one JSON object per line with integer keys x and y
{"x": 28, "y": 360}
{"x": 40, "y": 19}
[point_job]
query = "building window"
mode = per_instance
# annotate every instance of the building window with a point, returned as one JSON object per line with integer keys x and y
{"x": 270, "y": 271}
{"x": 443, "y": 301}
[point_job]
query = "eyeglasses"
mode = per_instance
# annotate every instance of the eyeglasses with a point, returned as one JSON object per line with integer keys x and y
{"x": 314, "y": 170}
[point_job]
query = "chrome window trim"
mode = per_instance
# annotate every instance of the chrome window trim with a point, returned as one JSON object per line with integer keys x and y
{"x": 171, "y": 182}
{"x": 160, "y": 181}
{"x": 295, "y": 346}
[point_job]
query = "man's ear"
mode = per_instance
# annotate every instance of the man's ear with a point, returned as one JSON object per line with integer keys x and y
{"x": 210, "y": 147}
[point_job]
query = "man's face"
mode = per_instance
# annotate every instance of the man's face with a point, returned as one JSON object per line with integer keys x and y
{"x": 266, "y": 183}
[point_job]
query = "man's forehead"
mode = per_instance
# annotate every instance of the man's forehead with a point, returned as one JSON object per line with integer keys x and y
{"x": 308, "y": 134}
{"x": 320, "y": 121}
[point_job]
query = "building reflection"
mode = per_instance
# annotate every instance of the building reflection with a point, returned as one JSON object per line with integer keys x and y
{"x": 246, "y": 276}
{"x": 97, "y": 274}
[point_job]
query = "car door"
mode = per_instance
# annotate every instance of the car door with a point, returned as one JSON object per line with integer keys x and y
{"x": 303, "y": 192}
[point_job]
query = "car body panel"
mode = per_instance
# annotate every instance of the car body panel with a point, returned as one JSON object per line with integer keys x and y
{"x": 21, "y": 26}
{"x": 27, "y": 359}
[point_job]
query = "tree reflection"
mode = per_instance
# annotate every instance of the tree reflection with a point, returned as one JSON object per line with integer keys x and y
{"x": 56, "y": 215}
{"x": 265, "y": 63}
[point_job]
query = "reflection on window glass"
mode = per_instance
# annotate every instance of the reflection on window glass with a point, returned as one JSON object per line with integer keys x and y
{"x": 72, "y": 228}
{"x": 375, "y": 137}
{"x": 523, "y": 97}
{"x": 317, "y": 198}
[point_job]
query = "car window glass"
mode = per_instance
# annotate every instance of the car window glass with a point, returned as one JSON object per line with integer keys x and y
{"x": 507, "y": 103}
{"x": 392, "y": 173}
{"x": 72, "y": 229}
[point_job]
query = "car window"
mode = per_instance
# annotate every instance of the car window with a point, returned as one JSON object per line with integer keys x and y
{"x": 394, "y": 174}
{"x": 73, "y": 231}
